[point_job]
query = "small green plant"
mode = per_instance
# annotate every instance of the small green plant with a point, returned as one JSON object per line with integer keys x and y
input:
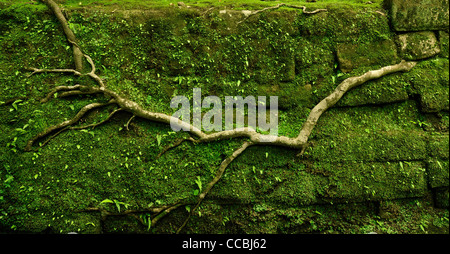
{"x": 116, "y": 202}
{"x": 146, "y": 220}
{"x": 420, "y": 123}
{"x": 158, "y": 139}
{"x": 14, "y": 105}
{"x": 225, "y": 220}
{"x": 7, "y": 181}
{"x": 198, "y": 181}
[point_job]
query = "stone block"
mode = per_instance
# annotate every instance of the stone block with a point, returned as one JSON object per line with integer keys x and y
{"x": 418, "y": 15}
{"x": 389, "y": 89}
{"x": 438, "y": 171}
{"x": 418, "y": 45}
{"x": 353, "y": 181}
{"x": 430, "y": 80}
{"x": 353, "y": 56}
{"x": 441, "y": 197}
{"x": 438, "y": 146}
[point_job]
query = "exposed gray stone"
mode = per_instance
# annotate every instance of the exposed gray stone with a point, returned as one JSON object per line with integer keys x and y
{"x": 418, "y": 45}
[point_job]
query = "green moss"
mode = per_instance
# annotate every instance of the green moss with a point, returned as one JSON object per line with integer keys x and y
{"x": 438, "y": 146}
{"x": 352, "y": 56}
{"x": 389, "y": 89}
{"x": 438, "y": 173}
{"x": 418, "y": 45}
{"x": 444, "y": 44}
{"x": 353, "y": 181}
{"x": 430, "y": 81}
{"x": 419, "y": 15}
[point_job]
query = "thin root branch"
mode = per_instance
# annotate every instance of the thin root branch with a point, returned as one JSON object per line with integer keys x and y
{"x": 219, "y": 174}
{"x": 36, "y": 70}
{"x": 96, "y": 124}
{"x": 175, "y": 144}
{"x": 61, "y": 126}
{"x": 57, "y": 89}
{"x": 281, "y": 5}
{"x": 129, "y": 121}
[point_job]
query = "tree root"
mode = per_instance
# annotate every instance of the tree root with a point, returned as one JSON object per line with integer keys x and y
{"x": 175, "y": 144}
{"x": 281, "y": 5}
{"x": 63, "y": 125}
{"x": 35, "y": 70}
{"x": 77, "y": 54}
{"x": 156, "y": 213}
{"x": 129, "y": 121}
{"x": 68, "y": 91}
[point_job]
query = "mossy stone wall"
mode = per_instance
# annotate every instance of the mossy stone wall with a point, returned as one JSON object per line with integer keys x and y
{"x": 377, "y": 161}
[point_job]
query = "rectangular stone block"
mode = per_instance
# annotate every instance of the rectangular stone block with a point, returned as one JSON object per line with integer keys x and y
{"x": 444, "y": 42}
{"x": 361, "y": 181}
{"x": 418, "y": 45}
{"x": 438, "y": 171}
{"x": 418, "y": 15}
{"x": 352, "y": 56}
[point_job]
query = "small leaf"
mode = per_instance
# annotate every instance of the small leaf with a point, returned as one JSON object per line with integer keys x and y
{"x": 9, "y": 179}
{"x": 117, "y": 204}
{"x": 158, "y": 138}
{"x": 198, "y": 181}
{"x": 107, "y": 201}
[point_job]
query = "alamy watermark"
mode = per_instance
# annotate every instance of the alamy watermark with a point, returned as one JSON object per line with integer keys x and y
{"x": 257, "y": 113}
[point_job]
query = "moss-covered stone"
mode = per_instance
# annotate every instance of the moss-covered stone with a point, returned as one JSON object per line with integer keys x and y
{"x": 444, "y": 44}
{"x": 342, "y": 24}
{"x": 438, "y": 146}
{"x": 438, "y": 173}
{"x": 418, "y": 15}
{"x": 430, "y": 81}
{"x": 355, "y": 181}
{"x": 418, "y": 45}
{"x": 442, "y": 197}
{"x": 386, "y": 90}
{"x": 352, "y": 56}
{"x": 386, "y": 147}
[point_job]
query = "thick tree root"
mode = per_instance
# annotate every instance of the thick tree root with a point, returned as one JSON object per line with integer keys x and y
{"x": 77, "y": 54}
